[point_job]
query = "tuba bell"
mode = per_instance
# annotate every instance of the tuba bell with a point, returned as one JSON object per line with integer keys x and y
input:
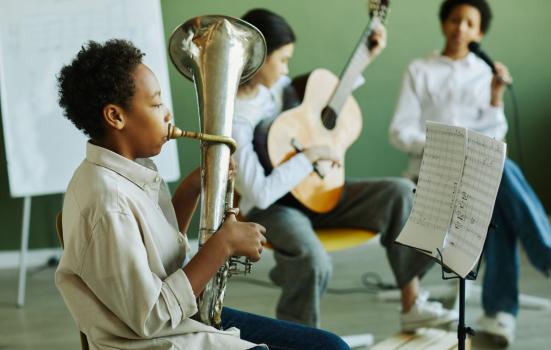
{"x": 217, "y": 53}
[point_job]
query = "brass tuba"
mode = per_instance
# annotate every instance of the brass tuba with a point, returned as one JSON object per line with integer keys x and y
{"x": 217, "y": 53}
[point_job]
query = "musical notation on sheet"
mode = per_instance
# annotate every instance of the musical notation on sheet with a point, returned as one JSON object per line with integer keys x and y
{"x": 484, "y": 162}
{"x": 441, "y": 166}
{"x": 439, "y": 178}
{"x": 458, "y": 182}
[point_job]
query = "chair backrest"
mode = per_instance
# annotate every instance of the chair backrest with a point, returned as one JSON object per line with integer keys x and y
{"x": 83, "y": 341}
{"x": 59, "y": 229}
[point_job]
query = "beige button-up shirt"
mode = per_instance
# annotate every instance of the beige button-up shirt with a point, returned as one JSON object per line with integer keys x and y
{"x": 121, "y": 272}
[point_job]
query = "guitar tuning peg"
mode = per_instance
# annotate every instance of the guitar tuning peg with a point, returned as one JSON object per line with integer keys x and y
{"x": 373, "y": 5}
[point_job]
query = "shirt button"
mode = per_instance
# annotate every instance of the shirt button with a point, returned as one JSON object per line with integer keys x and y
{"x": 157, "y": 178}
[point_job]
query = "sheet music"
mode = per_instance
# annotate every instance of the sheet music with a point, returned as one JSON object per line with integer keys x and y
{"x": 475, "y": 202}
{"x": 439, "y": 179}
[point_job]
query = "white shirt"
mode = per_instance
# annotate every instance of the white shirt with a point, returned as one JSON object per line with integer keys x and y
{"x": 121, "y": 272}
{"x": 255, "y": 188}
{"x": 455, "y": 92}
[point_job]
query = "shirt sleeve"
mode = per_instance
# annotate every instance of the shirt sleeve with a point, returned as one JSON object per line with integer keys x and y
{"x": 492, "y": 122}
{"x": 115, "y": 267}
{"x": 251, "y": 181}
{"x": 407, "y": 132}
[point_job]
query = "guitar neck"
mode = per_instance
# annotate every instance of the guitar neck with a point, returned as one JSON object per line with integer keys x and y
{"x": 358, "y": 61}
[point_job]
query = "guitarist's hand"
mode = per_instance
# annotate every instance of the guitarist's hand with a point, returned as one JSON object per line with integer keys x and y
{"x": 377, "y": 40}
{"x": 322, "y": 152}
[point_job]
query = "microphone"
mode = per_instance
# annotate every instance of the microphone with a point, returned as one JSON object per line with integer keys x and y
{"x": 474, "y": 47}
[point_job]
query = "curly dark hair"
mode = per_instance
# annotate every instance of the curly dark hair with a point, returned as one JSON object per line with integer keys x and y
{"x": 481, "y": 5}
{"x": 100, "y": 74}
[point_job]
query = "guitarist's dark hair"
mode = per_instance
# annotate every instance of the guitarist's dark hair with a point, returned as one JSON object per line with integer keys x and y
{"x": 481, "y": 5}
{"x": 275, "y": 28}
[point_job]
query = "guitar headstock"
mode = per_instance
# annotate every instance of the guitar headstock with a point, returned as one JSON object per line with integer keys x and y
{"x": 379, "y": 9}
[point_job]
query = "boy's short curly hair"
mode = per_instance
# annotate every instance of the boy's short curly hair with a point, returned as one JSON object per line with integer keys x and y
{"x": 100, "y": 74}
{"x": 481, "y": 5}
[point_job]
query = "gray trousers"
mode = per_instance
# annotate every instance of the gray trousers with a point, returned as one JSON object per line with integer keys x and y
{"x": 303, "y": 267}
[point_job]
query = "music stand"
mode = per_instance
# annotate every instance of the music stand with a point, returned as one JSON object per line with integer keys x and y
{"x": 447, "y": 274}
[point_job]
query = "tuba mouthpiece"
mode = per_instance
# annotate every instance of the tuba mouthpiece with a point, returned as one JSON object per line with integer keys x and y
{"x": 173, "y": 132}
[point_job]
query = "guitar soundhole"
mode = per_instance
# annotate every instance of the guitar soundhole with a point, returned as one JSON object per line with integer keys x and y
{"x": 329, "y": 118}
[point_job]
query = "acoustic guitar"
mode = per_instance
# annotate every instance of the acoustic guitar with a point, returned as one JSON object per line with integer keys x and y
{"x": 328, "y": 114}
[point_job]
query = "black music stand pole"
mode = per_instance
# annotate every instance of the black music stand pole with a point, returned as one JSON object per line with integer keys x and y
{"x": 462, "y": 329}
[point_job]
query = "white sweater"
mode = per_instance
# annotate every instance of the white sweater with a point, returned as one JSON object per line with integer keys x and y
{"x": 255, "y": 188}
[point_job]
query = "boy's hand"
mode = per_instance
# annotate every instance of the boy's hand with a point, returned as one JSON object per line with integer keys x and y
{"x": 500, "y": 80}
{"x": 242, "y": 238}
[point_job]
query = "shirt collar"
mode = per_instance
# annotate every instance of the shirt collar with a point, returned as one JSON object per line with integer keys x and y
{"x": 467, "y": 61}
{"x": 142, "y": 172}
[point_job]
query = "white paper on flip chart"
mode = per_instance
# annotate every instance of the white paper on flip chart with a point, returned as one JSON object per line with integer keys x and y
{"x": 37, "y": 38}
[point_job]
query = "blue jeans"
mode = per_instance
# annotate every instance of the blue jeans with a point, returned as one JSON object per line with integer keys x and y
{"x": 518, "y": 215}
{"x": 280, "y": 335}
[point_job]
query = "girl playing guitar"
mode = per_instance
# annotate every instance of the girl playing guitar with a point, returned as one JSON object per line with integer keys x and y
{"x": 302, "y": 266}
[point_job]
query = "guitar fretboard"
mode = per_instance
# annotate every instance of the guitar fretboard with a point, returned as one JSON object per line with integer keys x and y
{"x": 357, "y": 63}
{"x": 378, "y": 10}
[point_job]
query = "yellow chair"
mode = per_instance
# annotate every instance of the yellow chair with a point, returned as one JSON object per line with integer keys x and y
{"x": 59, "y": 229}
{"x": 334, "y": 239}
{"x": 340, "y": 238}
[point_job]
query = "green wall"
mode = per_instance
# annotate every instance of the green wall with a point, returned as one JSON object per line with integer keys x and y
{"x": 327, "y": 31}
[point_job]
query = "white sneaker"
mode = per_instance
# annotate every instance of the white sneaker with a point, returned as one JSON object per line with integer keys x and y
{"x": 501, "y": 327}
{"x": 426, "y": 314}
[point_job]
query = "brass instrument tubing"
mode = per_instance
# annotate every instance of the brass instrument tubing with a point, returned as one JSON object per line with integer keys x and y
{"x": 175, "y": 132}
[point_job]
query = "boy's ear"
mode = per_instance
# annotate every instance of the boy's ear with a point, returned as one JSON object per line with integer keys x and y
{"x": 113, "y": 116}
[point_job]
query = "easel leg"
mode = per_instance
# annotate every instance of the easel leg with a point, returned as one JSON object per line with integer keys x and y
{"x": 23, "y": 253}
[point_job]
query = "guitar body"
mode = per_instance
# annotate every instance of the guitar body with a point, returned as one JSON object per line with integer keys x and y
{"x": 304, "y": 124}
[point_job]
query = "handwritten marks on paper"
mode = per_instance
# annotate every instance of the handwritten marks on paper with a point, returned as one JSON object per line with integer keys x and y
{"x": 460, "y": 174}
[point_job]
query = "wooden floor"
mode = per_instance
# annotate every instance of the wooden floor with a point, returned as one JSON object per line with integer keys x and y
{"x": 44, "y": 323}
